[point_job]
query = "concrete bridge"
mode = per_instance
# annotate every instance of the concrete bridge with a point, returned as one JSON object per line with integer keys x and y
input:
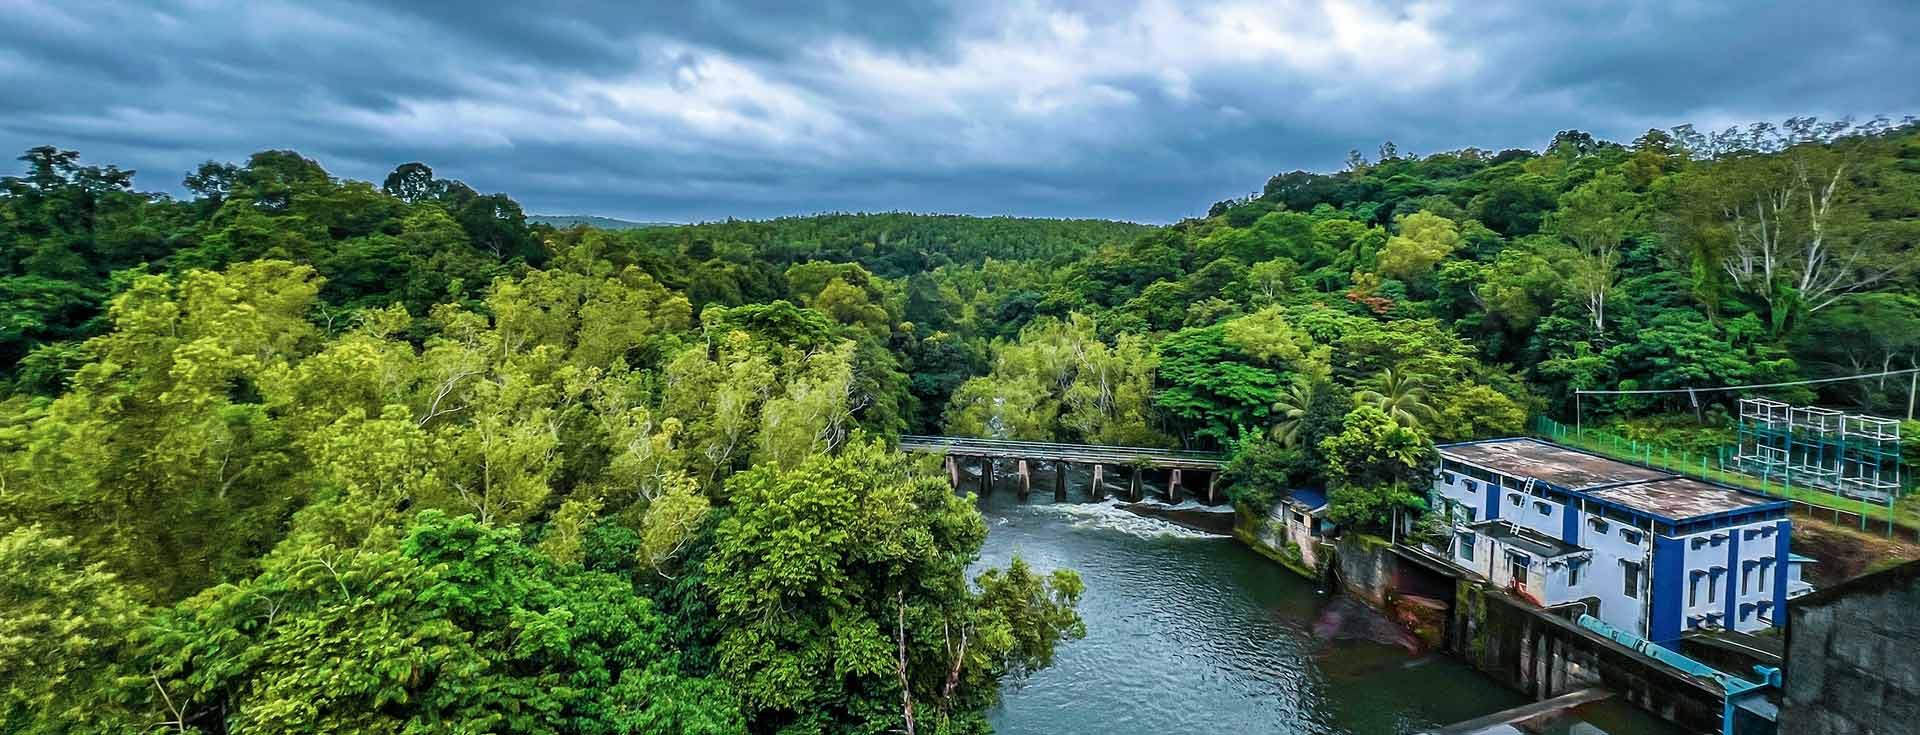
{"x": 1179, "y": 464}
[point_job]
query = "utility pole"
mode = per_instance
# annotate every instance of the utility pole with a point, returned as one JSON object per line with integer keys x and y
{"x": 1913, "y": 382}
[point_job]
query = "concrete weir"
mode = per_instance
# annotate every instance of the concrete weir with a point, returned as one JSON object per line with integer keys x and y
{"x": 1179, "y": 464}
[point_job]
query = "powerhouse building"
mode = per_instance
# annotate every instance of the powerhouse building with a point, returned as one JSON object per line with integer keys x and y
{"x": 1645, "y": 550}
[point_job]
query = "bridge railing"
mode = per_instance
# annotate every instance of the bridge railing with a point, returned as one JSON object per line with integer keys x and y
{"x": 1186, "y": 458}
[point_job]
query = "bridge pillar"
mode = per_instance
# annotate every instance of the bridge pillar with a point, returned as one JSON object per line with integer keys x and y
{"x": 1099, "y": 488}
{"x": 1133, "y": 485}
{"x": 1059, "y": 481}
{"x": 953, "y": 472}
{"x": 986, "y": 476}
{"x": 1026, "y": 478}
{"x": 1173, "y": 486}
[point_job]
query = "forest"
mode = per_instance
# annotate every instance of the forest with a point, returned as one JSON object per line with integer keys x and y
{"x": 298, "y": 452}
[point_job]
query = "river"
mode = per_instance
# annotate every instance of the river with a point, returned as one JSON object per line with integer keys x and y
{"x": 1190, "y": 632}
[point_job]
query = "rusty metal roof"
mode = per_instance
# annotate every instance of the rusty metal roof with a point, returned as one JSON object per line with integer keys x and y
{"x": 1550, "y": 463}
{"x": 1678, "y": 498}
{"x": 1643, "y": 489}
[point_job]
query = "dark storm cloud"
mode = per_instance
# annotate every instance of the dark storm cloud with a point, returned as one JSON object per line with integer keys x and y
{"x": 1147, "y": 110}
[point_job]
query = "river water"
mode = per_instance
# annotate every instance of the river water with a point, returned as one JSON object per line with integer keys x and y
{"x": 1190, "y": 632}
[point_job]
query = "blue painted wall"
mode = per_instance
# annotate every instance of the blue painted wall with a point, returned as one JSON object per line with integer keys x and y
{"x": 1733, "y": 577}
{"x": 1667, "y": 588}
{"x": 1782, "y": 561}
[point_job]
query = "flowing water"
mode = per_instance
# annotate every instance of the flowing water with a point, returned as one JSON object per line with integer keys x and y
{"x": 1189, "y": 632}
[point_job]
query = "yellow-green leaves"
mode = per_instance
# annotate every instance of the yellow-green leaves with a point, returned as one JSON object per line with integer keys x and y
{"x": 1425, "y": 239}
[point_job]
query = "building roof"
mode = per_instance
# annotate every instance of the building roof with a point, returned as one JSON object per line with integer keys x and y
{"x": 1646, "y": 490}
{"x": 1678, "y": 498}
{"x": 1312, "y": 499}
{"x": 1526, "y": 539}
{"x": 1550, "y": 463}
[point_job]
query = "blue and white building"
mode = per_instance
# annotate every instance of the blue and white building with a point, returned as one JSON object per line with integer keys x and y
{"x": 1654, "y": 552}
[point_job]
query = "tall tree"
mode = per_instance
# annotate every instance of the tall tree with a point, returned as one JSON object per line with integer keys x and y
{"x": 841, "y": 587}
{"x": 1596, "y": 218}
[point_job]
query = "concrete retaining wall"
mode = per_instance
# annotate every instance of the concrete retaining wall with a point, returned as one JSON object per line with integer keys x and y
{"x": 1544, "y": 656}
{"x": 1853, "y": 658}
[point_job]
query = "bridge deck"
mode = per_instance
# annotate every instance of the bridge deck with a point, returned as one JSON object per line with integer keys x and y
{"x": 1086, "y": 453}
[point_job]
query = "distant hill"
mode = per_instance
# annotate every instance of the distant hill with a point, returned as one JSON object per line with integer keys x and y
{"x": 564, "y": 221}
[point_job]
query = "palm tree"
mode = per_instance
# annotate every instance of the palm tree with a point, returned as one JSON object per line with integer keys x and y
{"x": 1291, "y": 408}
{"x": 1400, "y": 396}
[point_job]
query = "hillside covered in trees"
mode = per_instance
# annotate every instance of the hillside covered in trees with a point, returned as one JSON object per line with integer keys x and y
{"x": 304, "y": 453}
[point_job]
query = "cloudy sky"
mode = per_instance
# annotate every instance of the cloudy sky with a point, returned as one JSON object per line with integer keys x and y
{"x": 696, "y": 109}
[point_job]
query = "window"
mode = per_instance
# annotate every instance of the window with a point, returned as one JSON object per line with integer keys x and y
{"x": 1465, "y": 539}
{"x": 1448, "y": 477}
{"x": 1599, "y": 524}
{"x": 1517, "y": 568}
{"x": 1693, "y": 589}
{"x": 1473, "y": 487}
{"x": 1631, "y": 585}
{"x": 1744, "y": 570}
{"x": 1713, "y": 586}
{"x": 1699, "y": 543}
{"x": 1514, "y": 499}
{"x": 1632, "y": 536}
{"x": 1573, "y": 573}
{"x": 1544, "y": 508}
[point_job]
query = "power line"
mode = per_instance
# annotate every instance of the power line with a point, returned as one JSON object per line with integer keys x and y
{"x": 1902, "y": 371}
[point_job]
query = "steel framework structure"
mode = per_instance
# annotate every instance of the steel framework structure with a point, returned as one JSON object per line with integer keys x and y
{"x": 1852, "y": 454}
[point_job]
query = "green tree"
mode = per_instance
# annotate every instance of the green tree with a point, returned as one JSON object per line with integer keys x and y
{"x": 65, "y": 623}
{"x": 1374, "y": 465}
{"x": 1425, "y": 239}
{"x": 1400, "y": 396}
{"x": 1595, "y": 218}
{"x": 461, "y": 627}
{"x": 1476, "y": 412}
{"x": 840, "y": 585}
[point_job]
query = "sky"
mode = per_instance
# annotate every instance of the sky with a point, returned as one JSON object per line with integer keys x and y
{"x": 695, "y": 110}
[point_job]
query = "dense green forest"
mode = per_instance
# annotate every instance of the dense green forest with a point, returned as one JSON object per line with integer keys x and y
{"x": 304, "y": 453}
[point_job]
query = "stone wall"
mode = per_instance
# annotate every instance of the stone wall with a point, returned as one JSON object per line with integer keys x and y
{"x": 1268, "y": 534}
{"x": 1365, "y": 566}
{"x": 1853, "y": 657}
